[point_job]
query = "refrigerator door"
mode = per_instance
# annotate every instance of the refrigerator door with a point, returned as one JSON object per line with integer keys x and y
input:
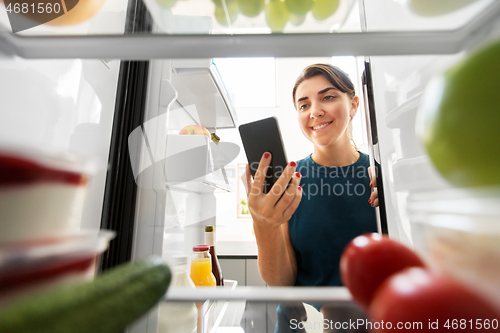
{"x": 398, "y": 85}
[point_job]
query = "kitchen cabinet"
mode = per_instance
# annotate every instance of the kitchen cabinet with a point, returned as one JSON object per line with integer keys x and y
{"x": 257, "y": 317}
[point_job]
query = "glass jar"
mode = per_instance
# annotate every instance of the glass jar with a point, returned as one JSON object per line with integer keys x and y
{"x": 201, "y": 267}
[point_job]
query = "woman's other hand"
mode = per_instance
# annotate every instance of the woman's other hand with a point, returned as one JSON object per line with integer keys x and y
{"x": 373, "y": 184}
{"x": 278, "y": 205}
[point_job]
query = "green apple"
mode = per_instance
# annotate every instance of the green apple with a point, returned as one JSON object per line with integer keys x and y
{"x": 251, "y": 8}
{"x": 299, "y": 7}
{"x": 459, "y": 120}
{"x": 435, "y": 7}
{"x": 166, "y": 3}
{"x": 232, "y": 12}
{"x": 277, "y": 15}
{"x": 323, "y": 9}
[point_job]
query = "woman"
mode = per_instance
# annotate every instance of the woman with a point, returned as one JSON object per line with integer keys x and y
{"x": 301, "y": 234}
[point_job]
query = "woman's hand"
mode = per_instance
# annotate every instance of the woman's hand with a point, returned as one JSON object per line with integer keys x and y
{"x": 278, "y": 205}
{"x": 373, "y": 184}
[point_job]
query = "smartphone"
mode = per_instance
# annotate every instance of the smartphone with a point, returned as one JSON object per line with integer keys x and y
{"x": 263, "y": 136}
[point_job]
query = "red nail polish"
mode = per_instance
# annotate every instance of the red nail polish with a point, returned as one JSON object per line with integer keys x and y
{"x": 369, "y": 200}
{"x": 372, "y": 205}
{"x": 297, "y": 174}
{"x": 371, "y": 185}
{"x": 293, "y": 164}
{"x": 299, "y": 188}
{"x": 266, "y": 155}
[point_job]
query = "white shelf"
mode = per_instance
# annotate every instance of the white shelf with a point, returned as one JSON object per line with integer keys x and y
{"x": 198, "y": 83}
{"x": 197, "y": 46}
{"x": 196, "y": 164}
{"x": 261, "y": 294}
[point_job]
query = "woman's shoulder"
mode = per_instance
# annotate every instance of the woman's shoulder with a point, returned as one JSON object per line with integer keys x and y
{"x": 364, "y": 159}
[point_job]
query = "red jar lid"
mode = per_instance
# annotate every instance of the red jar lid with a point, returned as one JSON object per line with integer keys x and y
{"x": 201, "y": 248}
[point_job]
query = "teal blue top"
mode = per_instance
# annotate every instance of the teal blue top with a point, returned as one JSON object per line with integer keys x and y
{"x": 334, "y": 209}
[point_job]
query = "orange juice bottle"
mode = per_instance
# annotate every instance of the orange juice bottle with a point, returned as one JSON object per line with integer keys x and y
{"x": 201, "y": 267}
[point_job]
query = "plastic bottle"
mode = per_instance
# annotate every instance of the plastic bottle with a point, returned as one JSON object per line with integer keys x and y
{"x": 210, "y": 241}
{"x": 178, "y": 317}
{"x": 201, "y": 267}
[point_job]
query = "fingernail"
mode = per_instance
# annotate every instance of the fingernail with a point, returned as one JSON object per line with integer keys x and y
{"x": 369, "y": 200}
{"x": 266, "y": 155}
{"x": 297, "y": 174}
{"x": 372, "y": 205}
{"x": 371, "y": 185}
{"x": 293, "y": 164}
{"x": 299, "y": 188}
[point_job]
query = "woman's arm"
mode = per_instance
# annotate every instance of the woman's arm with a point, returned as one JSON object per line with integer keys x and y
{"x": 270, "y": 213}
{"x": 276, "y": 259}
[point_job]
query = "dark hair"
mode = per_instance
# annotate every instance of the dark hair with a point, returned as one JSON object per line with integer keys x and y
{"x": 337, "y": 77}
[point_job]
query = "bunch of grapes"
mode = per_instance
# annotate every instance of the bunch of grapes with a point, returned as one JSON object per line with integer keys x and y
{"x": 277, "y": 12}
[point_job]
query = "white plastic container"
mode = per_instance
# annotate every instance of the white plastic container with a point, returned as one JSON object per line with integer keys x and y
{"x": 42, "y": 193}
{"x": 27, "y": 268}
{"x": 458, "y": 234}
{"x": 178, "y": 317}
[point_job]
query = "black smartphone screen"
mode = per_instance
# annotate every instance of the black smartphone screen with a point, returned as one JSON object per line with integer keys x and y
{"x": 264, "y": 136}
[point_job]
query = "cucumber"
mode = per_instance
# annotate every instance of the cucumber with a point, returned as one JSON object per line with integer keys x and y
{"x": 106, "y": 305}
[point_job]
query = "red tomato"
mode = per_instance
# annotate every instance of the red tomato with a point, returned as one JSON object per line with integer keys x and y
{"x": 416, "y": 299}
{"x": 368, "y": 260}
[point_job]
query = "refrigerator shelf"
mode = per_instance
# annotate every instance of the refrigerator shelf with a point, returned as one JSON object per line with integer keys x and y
{"x": 146, "y": 46}
{"x": 201, "y": 92}
{"x": 205, "y": 184}
{"x": 261, "y": 294}
{"x": 196, "y": 164}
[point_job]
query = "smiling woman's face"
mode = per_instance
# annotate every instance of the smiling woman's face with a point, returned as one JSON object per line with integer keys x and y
{"x": 324, "y": 111}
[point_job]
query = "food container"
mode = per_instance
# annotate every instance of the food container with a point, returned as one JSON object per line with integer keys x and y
{"x": 458, "y": 233}
{"x": 30, "y": 267}
{"x": 41, "y": 193}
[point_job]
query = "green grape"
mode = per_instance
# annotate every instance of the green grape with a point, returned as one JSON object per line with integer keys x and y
{"x": 220, "y": 13}
{"x": 297, "y": 20}
{"x": 323, "y": 9}
{"x": 166, "y": 3}
{"x": 277, "y": 15}
{"x": 299, "y": 7}
{"x": 251, "y": 8}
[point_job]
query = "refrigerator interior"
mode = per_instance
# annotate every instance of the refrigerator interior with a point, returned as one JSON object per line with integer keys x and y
{"x": 64, "y": 96}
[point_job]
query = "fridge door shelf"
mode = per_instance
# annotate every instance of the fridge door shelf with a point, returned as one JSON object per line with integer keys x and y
{"x": 210, "y": 311}
{"x": 208, "y": 183}
{"x": 193, "y": 164}
{"x": 201, "y": 92}
{"x": 416, "y": 174}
